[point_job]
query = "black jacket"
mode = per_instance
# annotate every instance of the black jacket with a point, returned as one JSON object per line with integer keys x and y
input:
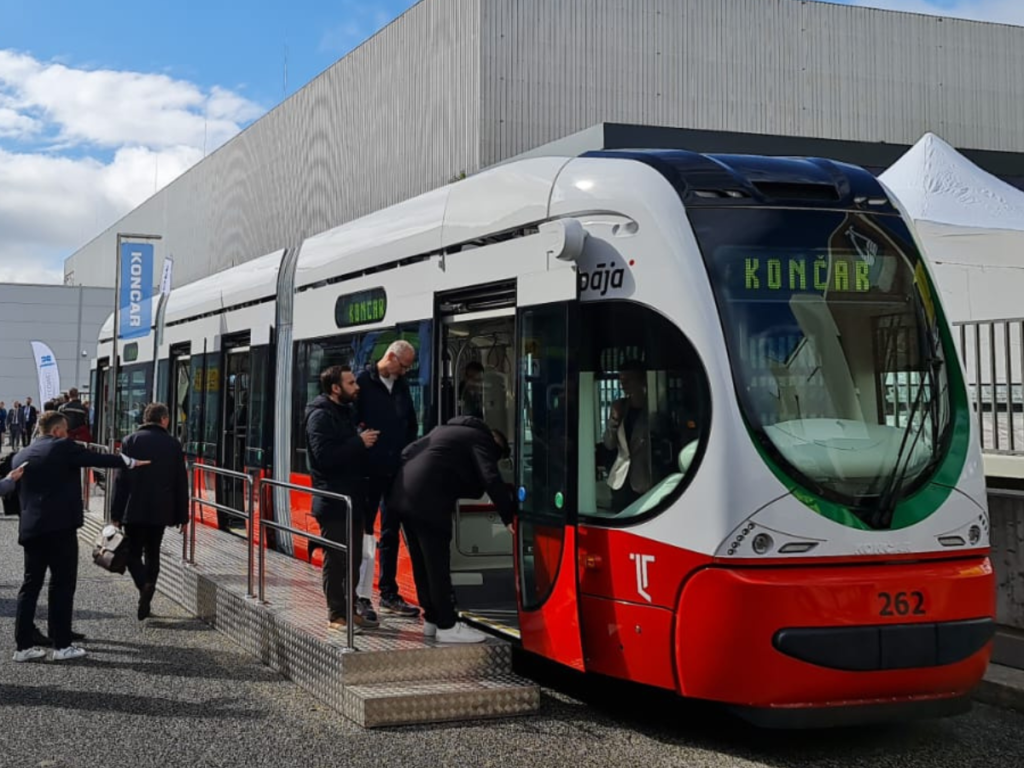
{"x": 77, "y": 415}
{"x": 157, "y": 494}
{"x": 336, "y": 455}
{"x": 51, "y": 488}
{"x": 393, "y": 413}
{"x": 458, "y": 460}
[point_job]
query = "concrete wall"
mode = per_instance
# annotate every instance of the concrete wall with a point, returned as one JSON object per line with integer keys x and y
{"x": 1006, "y": 510}
{"x": 68, "y": 319}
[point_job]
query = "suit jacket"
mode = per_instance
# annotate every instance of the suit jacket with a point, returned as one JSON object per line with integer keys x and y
{"x": 51, "y": 487}
{"x": 157, "y": 494}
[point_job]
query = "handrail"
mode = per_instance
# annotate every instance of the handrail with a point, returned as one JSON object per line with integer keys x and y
{"x": 350, "y": 575}
{"x": 188, "y": 546}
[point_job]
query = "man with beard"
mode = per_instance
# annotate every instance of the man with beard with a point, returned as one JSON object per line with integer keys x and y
{"x": 337, "y": 455}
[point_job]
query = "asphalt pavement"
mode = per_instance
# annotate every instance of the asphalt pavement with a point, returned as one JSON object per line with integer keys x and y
{"x": 173, "y": 692}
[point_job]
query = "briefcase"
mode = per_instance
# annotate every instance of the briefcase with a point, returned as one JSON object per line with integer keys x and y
{"x": 111, "y": 550}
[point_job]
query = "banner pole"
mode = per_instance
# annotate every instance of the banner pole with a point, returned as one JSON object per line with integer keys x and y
{"x": 108, "y": 487}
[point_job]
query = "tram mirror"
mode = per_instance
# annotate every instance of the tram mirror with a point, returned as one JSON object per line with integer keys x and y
{"x": 564, "y": 239}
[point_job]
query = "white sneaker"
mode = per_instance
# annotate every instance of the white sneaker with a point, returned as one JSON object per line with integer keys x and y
{"x": 29, "y": 654}
{"x": 66, "y": 654}
{"x": 460, "y": 633}
{"x": 429, "y": 629}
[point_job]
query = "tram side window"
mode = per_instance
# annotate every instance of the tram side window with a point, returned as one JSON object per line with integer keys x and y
{"x": 133, "y": 388}
{"x": 644, "y": 411}
{"x": 261, "y": 410}
{"x": 372, "y": 346}
{"x": 312, "y": 357}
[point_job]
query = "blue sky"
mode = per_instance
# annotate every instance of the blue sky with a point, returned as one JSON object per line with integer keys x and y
{"x": 103, "y": 103}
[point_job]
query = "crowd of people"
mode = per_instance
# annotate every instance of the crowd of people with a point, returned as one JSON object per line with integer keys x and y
{"x": 19, "y": 424}
{"x": 362, "y": 444}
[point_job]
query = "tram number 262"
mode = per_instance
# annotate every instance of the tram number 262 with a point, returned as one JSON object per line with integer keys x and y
{"x": 902, "y": 604}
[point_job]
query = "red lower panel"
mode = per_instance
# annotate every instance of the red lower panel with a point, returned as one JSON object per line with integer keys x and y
{"x": 728, "y": 617}
{"x": 628, "y": 641}
{"x": 553, "y": 629}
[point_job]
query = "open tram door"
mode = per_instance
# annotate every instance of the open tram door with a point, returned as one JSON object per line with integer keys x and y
{"x": 547, "y": 314}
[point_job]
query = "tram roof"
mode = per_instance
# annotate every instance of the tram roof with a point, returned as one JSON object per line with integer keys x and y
{"x": 248, "y": 282}
{"x": 496, "y": 200}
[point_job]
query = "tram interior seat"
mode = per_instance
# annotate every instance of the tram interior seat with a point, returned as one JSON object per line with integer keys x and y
{"x": 665, "y": 488}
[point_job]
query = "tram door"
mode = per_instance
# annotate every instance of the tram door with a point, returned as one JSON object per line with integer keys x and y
{"x": 478, "y": 374}
{"x": 180, "y": 391}
{"x": 234, "y": 411}
{"x": 546, "y": 417}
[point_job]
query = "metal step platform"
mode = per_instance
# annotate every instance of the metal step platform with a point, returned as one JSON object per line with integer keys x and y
{"x": 395, "y": 676}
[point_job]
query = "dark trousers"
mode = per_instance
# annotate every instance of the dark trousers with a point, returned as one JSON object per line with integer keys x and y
{"x": 389, "y": 526}
{"x": 430, "y": 552}
{"x": 15, "y": 437}
{"x": 26, "y": 435}
{"x": 144, "y": 553}
{"x": 58, "y": 553}
{"x": 335, "y": 571}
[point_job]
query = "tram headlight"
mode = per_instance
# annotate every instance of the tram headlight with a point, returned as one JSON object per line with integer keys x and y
{"x": 762, "y": 544}
{"x": 974, "y": 534}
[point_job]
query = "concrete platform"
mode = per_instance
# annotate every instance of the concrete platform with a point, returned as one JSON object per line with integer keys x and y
{"x": 1002, "y": 687}
{"x": 395, "y": 676}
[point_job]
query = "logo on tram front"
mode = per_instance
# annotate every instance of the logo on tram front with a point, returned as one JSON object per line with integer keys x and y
{"x": 641, "y": 573}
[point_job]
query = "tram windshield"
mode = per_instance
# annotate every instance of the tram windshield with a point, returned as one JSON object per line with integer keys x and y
{"x": 835, "y": 346}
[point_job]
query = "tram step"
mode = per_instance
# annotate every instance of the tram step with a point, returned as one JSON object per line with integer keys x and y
{"x": 421, "y": 701}
{"x": 376, "y": 665}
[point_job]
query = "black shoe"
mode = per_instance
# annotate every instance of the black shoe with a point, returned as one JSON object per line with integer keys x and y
{"x": 398, "y": 607}
{"x": 145, "y": 599}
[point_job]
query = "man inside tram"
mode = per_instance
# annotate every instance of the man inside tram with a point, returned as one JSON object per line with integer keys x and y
{"x": 385, "y": 404}
{"x": 471, "y": 390}
{"x": 631, "y": 434}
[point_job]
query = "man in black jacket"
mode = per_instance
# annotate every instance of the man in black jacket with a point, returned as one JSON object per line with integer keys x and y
{"x": 385, "y": 404}
{"x": 337, "y": 454}
{"x": 51, "y": 514}
{"x": 458, "y": 460}
{"x": 77, "y": 416}
{"x": 150, "y": 500}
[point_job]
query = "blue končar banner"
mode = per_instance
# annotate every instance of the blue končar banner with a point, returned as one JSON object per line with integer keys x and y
{"x": 136, "y": 310}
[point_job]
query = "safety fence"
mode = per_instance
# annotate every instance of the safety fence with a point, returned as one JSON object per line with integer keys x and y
{"x": 991, "y": 355}
{"x": 257, "y": 526}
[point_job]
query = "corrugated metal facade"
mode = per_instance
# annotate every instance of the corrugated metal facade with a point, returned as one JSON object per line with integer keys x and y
{"x": 458, "y": 85}
{"x": 756, "y": 66}
{"x": 396, "y": 117}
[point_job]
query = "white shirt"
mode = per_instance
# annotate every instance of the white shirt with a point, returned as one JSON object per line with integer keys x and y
{"x": 388, "y": 382}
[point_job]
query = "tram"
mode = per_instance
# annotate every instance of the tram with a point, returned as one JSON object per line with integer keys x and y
{"x": 741, "y": 440}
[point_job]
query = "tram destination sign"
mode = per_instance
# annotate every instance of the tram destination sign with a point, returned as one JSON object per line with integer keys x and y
{"x": 363, "y": 308}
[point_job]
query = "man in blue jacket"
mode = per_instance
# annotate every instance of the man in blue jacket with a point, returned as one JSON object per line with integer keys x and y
{"x": 385, "y": 404}
{"x": 51, "y": 514}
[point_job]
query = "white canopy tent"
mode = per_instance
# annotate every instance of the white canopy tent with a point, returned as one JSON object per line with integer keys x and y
{"x": 972, "y": 227}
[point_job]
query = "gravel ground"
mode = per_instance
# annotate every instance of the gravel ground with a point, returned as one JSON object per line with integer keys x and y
{"x": 173, "y": 692}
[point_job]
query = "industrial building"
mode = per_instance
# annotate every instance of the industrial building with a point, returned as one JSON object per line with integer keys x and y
{"x": 454, "y": 86}
{"x": 66, "y": 319}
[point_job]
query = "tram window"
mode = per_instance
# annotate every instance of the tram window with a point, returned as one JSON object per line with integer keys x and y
{"x": 212, "y": 396}
{"x": 261, "y": 400}
{"x": 133, "y": 387}
{"x": 644, "y": 412}
{"x": 374, "y": 344}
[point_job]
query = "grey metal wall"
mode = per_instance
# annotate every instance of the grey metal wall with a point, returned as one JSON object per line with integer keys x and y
{"x": 396, "y": 117}
{"x": 65, "y": 318}
{"x": 457, "y": 85}
{"x": 785, "y": 67}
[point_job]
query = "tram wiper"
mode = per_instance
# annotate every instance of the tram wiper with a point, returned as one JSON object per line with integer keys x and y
{"x": 889, "y": 497}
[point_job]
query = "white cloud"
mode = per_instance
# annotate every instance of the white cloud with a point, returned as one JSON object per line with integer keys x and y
{"x": 80, "y": 147}
{"x": 1001, "y": 11}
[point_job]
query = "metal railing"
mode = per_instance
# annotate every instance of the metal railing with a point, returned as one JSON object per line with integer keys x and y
{"x": 350, "y": 575}
{"x": 992, "y": 355}
{"x": 188, "y": 546}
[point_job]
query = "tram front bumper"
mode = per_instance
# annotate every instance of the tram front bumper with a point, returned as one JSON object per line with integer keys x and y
{"x": 836, "y": 637}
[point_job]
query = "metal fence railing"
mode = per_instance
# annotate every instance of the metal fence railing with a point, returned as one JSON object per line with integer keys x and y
{"x": 350, "y": 571}
{"x": 256, "y": 544}
{"x": 991, "y": 354}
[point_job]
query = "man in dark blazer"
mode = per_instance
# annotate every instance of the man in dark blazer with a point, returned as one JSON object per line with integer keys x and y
{"x": 150, "y": 500}
{"x": 51, "y": 514}
{"x": 458, "y": 460}
{"x": 31, "y": 414}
